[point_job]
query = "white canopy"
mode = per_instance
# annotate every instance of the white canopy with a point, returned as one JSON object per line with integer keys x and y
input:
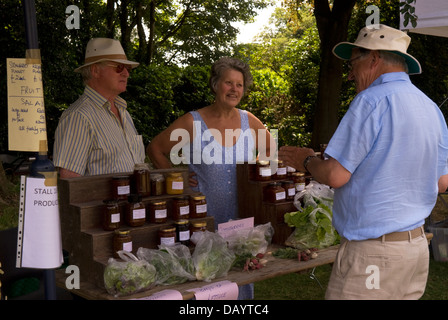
{"x": 432, "y": 18}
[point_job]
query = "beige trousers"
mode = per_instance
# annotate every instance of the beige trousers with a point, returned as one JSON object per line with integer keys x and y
{"x": 374, "y": 269}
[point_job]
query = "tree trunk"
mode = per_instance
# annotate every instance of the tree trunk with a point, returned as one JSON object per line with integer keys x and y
{"x": 110, "y": 25}
{"x": 332, "y": 25}
{"x": 152, "y": 26}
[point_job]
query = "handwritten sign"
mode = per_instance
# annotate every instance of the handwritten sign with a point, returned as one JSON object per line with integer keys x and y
{"x": 222, "y": 290}
{"x": 26, "y": 110}
{"x": 227, "y": 228}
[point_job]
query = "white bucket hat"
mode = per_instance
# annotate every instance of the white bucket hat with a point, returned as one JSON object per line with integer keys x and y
{"x": 380, "y": 37}
{"x": 105, "y": 49}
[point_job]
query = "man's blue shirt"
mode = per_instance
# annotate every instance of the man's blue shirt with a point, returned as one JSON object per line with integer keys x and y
{"x": 394, "y": 141}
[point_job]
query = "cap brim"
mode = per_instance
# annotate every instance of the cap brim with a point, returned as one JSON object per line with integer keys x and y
{"x": 343, "y": 50}
{"x": 126, "y": 62}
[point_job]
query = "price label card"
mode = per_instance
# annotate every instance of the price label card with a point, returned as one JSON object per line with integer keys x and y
{"x": 26, "y": 110}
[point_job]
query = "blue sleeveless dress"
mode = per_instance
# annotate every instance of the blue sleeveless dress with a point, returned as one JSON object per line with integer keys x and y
{"x": 215, "y": 168}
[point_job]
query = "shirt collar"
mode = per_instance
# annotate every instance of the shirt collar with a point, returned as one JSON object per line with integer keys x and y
{"x": 99, "y": 100}
{"x": 391, "y": 76}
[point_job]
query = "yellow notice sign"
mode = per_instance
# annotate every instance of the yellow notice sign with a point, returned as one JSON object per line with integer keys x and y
{"x": 26, "y": 110}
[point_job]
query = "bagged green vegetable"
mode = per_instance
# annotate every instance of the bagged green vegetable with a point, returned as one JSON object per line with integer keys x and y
{"x": 211, "y": 257}
{"x": 251, "y": 240}
{"x": 169, "y": 269}
{"x": 130, "y": 276}
{"x": 313, "y": 221}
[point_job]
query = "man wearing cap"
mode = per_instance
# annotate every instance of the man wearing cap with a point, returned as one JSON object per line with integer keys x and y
{"x": 96, "y": 134}
{"x": 384, "y": 161}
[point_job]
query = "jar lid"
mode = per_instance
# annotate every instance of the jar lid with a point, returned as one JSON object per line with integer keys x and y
{"x": 199, "y": 223}
{"x": 158, "y": 202}
{"x": 298, "y": 173}
{"x": 155, "y": 176}
{"x": 175, "y": 174}
{"x": 168, "y": 229}
{"x": 122, "y": 232}
{"x": 198, "y": 197}
{"x": 288, "y": 181}
{"x": 181, "y": 221}
{"x": 263, "y": 162}
{"x": 181, "y": 197}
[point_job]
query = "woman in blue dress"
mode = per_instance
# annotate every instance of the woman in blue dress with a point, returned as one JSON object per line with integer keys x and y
{"x": 214, "y": 139}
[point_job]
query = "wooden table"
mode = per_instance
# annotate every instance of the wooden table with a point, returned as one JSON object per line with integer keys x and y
{"x": 275, "y": 267}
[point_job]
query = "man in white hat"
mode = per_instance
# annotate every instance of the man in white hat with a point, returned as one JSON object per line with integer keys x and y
{"x": 384, "y": 161}
{"x": 96, "y": 134}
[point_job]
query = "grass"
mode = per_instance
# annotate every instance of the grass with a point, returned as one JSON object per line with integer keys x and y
{"x": 300, "y": 286}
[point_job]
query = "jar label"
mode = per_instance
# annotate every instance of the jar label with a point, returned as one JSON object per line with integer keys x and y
{"x": 139, "y": 214}
{"x": 300, "y": 186}
{"x": 127, "y": 246}
{"x": 291, "y": 192}
{"x": 184, "y": 235}
{"x": 167, "y": 240}
{"x": 201, "y": 208}
{"x": 184, "y": 210}
{"x": 115, "y": 218}
{"x": 280, "y": 195}
{"x": 177, "y": 185}
{"x": 123, "y": 190}
{"x": 160, "y": 213}
{"x": 281, "y": 171}
{"x": 265, "y": 172}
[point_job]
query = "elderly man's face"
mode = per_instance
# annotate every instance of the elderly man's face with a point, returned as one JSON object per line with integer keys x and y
{"x": 111, "y": 77}
{"x": 363, "y": 68}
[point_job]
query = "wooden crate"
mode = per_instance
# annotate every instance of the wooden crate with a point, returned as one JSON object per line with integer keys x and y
{"x": 252, "y": 204}
{"x": 88, "y": 245}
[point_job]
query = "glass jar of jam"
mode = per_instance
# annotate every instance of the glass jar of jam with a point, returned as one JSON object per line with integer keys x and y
{"x": 180, "y": 208}
{"x": 158, "y": 211}
{"x": 182, "y": 231}
{"x": 197, "y": 226}
{"x": 122, "y": 241}
{"x": 135, "y": 211}
{"x": 174, "y": 183}
{"x": 290, "y": 171}
{"x": 263, "y": 170}
{"x": 111, "y": 215}
{"x": 290, "y": 189}
{"x": 141, "y": 180}
{"x": 274, "y": 193}
{"x": 167, "y": 235}
{"x": 198, "y": 206}
{"x": 121, "y": 187}
{"x": 157, "y": 184}
{"x": 299, "y": 181}
{"x": 281, "y": 170}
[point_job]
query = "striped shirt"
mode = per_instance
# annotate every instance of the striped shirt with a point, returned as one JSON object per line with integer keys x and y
{"x": 90, "y": 140}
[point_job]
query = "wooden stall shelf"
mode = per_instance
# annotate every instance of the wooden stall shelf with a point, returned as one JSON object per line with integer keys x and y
{"x": 251, "y": 203}
{"x": 88, "y": 245}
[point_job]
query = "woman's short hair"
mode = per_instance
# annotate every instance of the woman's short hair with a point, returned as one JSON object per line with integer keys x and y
{"x": 227, "y": 63}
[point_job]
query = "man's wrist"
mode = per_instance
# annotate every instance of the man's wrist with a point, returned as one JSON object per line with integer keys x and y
{"x": 307, "y": 161}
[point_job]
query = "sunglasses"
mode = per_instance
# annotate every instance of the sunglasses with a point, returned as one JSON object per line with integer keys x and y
{"x": 120, "y": 67}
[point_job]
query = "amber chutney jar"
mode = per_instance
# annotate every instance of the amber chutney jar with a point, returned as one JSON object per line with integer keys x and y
{"x": 174, "y": 183}
{"x": 158, "y": 211}
{"x": 122, "y": 241}
{"x": 157, "y": 184}
{"x": 263, "y": 170}
{"x": 299, "y": 181}
{"x": 135, "y": 211}
{"x": 141, "y": 180}
{"x": 198, "y": 226}
{"x": 167, "y": 235}
{"x": 274, "y": 193}
{"x": 182, "y": 231}
{"x": 180, "y": 208}
{"x": 111, "y": 215}
{"x": 198, "y": 206}
{"x": 290, "y": 189}
{"x": 281, "y": 170}
{"x": 121, "y": 187}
